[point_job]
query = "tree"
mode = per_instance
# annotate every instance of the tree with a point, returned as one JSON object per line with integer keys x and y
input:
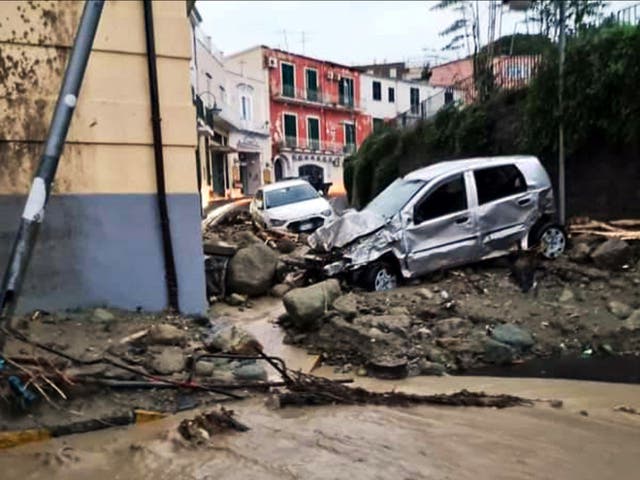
{"x": 579, "y": 14}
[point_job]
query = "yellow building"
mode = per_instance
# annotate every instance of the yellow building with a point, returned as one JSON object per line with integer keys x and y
{"x": 100, "y": 243}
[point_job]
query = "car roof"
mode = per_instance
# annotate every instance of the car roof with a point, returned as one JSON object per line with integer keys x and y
{"x": 455, "y": 166}
{"x": 284, "y": 184}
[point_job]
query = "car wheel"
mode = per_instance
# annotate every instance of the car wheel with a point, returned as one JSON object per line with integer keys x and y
{"x": 552, "y": 241}
{"x": 381, "y": 277}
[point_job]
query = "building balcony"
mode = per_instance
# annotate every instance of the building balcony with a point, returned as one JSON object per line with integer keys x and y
{"x": 316, "y": 98}
{"x": 297, "y": 144}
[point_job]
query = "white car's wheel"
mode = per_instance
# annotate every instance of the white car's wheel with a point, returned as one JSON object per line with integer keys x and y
{"x": 553, "y": 241}
{"x": 381, "y": 277}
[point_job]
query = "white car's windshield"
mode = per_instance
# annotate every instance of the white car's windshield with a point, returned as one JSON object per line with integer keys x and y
{"x": 287, "y": 195}
{"x": 394, "y": 197}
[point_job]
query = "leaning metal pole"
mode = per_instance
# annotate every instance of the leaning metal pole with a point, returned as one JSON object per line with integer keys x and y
{"x": 41, "y": 187}
{"x": 561, "y": 155}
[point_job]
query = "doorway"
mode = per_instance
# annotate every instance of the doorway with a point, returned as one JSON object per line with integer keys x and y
{"x": 277, "y": 169}
{"x": 313, "y": 174}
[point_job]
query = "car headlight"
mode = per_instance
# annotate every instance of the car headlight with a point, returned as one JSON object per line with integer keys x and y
{"x": 277, "y": 223}
{"x": 326, "y": 213}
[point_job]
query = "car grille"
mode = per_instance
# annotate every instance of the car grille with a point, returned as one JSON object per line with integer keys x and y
{"x": 316, "y": 223}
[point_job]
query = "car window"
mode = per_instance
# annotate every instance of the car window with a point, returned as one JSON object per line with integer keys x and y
{"x": 498, "y": 182}
{"x": 288, "y": 195}
{"x": 450, "y": 197}
{"x": 394, "y": 197}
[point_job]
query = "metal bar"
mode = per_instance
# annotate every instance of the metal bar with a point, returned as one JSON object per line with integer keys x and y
{"x": 35, "y": 205}
{"x": 171, "y": 276}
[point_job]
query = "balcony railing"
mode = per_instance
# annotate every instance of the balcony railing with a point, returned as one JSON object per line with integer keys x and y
{"x": 314, "y": 145}
{"x": 316, "y": 97}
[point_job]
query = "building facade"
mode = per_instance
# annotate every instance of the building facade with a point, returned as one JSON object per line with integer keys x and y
{"x": 316, "y": 116}
{"x": 100, "y": 242}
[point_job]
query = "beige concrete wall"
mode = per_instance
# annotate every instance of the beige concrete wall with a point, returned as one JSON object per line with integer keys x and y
{"x": 109, "y": 147}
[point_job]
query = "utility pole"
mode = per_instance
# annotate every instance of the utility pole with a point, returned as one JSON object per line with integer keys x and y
{"x": 561, "y": 159}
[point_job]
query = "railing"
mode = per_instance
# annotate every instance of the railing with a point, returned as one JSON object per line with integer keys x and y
{"x": 316, "y": 97}
{"x": 315, "y": 145}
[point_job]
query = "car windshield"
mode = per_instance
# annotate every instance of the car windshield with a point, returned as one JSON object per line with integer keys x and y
{"x": 394, "y": 197}
{"x": 287, "y": 195}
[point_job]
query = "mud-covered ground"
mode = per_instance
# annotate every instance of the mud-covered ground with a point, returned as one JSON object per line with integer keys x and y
{"x": 468, "y": 318}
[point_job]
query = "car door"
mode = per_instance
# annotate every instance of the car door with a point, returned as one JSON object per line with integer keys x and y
{"x": 505, "y": 207}
{"x": 441, "y": 229}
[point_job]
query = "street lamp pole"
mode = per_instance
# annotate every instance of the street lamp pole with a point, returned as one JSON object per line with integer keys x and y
{"x": 561, "y": 154}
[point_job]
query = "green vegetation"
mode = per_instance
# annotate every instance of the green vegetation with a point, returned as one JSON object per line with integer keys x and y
{"x": 602, "y": 106}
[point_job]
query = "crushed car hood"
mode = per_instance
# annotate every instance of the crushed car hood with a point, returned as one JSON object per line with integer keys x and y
{"x": 351, "y": 226}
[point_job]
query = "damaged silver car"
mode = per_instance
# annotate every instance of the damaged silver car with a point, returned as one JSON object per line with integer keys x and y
{"x": 442, "y": 216}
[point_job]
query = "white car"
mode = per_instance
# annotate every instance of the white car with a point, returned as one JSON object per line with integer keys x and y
{"x": 291, "y": 205}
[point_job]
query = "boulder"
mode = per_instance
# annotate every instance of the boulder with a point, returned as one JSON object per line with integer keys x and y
{"x": 170, "y": 360}
{"x": 619, "y": 309}
{"x": 103, "y": 315}
{"x": 166, "y": 334}
{"x": 245, "y": 239}
{"x": 284, "y": 245}
{"x": 204, "y": 368}
{"x": 280, "y": 290}
{"x": 513, "y": 335}
{"x": 306, "y": 305}
{"x": 452, "y": 327}
{"x": 235, "y": 299}
{"x": 250, "y": 372}
{"x": 612, "y": 254}
{"x": 431, "y": 368}
{"x": 346, "y": 305}
{"x": 425, "y": 294}
{"x": 252, "y": 270}
{"x": 229, "y": 338}
{"x": 497, "y": 352}
{"x": 633, "y": 322}
{"x": 566, "y": 295}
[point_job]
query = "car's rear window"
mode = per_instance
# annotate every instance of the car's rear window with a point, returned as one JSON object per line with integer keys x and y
{"x": 288, "y": 195}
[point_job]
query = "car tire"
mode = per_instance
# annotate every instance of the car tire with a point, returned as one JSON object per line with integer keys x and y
{"x": 380, "y": 277}
{"x": 550, "y": 239}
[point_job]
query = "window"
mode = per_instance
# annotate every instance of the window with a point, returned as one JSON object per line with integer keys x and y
{"x": 290, "y": 130}
{"x": 313, "y": 133}
{"x": 377, "y": 90}
{"x": 393, "y": 73}
{"x": 378, "y": 124}
{"x": 288, "y": 195}
{"x": 394, "y": 197}
{"x": 288, "y": 82}
{"x": 245, "y": 107}
{"x": 392, "y": 94}
{"x": 450, "y": 197}
{"x": 312, "y": 84}
{"x": 349, "y": 137}
{"x": 448, "y": 96}
{"x": 346, "y": 92}
{"x": 498, "y": 182}
{"x": 414, "y": 97}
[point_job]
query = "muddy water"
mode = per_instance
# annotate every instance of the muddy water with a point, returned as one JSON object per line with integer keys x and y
{"x": 368, "y": 442}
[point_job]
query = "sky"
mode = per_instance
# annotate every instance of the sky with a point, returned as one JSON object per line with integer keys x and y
{"x": 348, "y": 32}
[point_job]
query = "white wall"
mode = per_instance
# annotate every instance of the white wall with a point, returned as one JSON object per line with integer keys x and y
{"x": 383, "y": 108}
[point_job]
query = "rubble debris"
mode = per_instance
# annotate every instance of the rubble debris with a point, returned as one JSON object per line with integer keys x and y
{"x": 219, "y": 248}
{"x": 252, "y": 270}
{"x": 619, "y": 309}
{"x": 168, "y": 361}
{"x": 612, "y": 254}
{"x": 103, "y": 315}
{"x": 236, "y": 299}
{"x": 226, "y": 337}
{"x": 513, "y": 335}
{"x": 165, "y": 334}
{"x": 306, "y": 305}
{"x": 615, "y": 229}
{"x": 201, "y": 428}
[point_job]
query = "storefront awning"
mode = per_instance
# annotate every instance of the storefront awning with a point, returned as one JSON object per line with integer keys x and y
{"x": 216, "y": 147}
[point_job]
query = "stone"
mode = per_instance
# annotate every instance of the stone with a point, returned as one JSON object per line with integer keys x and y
{"x": 250, "y": 372}
{"x": 425, "y": 294}
{"x": 236, "y": 299}
{"x": 103, "y": 315}
{"x": 431, "y": 368}
{"x": 497, "y": 353}
{"x": 280, "y": 290}
{"x": 619, "y": 309}
{"x": 513, "y": 335}
{"x": 566, "y": 295}
{"x": 170, "y": 360}
{"x": 612, "y": 254}
{"x": 451, "y": 327}
{"x": 204, "y": 368}
{"x": 308, "y": 304}
{"x": 284, "y": 245}
{"x": 166, "y": 334}
{"x": 346, "y": 305}
{"x": 633, "y": 322}
{"x": 437, "y": 355}
{"x": 245, "y": 239}
{"x": 252, "y": 270}
{"x": 229, "y": 338}
{"x": 580, "y": 252}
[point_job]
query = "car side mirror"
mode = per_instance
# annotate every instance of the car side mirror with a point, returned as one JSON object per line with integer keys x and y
{"x": 321, "y": 193}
